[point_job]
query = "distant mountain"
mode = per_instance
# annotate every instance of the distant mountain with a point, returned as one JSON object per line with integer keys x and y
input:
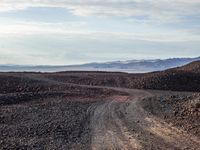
{"x": 139, "y": 65}
{"x": 131, "y": 66}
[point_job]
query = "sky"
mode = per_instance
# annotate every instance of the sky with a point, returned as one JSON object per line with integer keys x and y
{"x": 64, "y": 32}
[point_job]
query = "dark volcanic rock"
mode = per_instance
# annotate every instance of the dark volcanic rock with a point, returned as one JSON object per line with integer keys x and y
{"x": 46, "y": 124}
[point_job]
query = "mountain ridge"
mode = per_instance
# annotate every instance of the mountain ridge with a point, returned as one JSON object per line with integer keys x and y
{"x": 131, "y": 66}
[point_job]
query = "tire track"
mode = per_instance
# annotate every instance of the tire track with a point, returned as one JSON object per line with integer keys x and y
{"x": 125, "y": 125}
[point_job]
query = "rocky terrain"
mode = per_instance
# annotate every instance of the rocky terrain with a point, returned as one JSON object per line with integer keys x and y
{"x": 100, "y": 110}
{"x": 185, "y": 78}
{"x": 181, "y": 110}
{"x": 37, "y": 113}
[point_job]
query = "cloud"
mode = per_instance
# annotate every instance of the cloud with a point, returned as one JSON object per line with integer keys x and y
{"x": 80, "y": 29}
{"x": 161, "y": 10}
{"x": 23, "y": 28}
{"x": 44, "y": 50}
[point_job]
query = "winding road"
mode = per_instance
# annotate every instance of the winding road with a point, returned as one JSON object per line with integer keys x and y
{"x": 121, "y": 123}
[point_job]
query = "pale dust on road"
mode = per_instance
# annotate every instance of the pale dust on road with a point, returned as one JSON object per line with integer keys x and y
{"x": 124, "y": 125}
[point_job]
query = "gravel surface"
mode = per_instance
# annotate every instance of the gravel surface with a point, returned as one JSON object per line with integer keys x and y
{"x": 44, "y": 111}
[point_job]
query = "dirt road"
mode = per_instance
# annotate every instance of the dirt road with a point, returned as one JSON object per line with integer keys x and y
{"x": 119, "y": 124}
{"x": 122, "y": 123}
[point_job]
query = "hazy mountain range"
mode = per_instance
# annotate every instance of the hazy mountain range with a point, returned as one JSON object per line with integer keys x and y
{"x": 132, "y": 66}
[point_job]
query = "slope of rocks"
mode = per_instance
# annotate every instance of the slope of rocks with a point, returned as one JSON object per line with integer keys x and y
{"x": 186, "y": 78}
{"x": 180, "y": 110}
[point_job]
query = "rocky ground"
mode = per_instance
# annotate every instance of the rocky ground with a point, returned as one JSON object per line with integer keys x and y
{"x": 37, "y": 113}
{"x": 74, "y": 111}
{"x": 180, "y": 110}
{"x": 45, "y": 124}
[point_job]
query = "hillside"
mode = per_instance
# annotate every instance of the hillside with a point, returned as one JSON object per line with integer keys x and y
{"x": 186, "y": 78}
{"x": 193, "y": 67}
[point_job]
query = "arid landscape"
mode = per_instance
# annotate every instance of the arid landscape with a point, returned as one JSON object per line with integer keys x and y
{"x": 99, "y": 74}
{"x": 101, "y": 110}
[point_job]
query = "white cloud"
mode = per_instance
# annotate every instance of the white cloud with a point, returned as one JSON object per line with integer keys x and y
{"x": 83, "y": 30}
{"x": 22, "y": 28}
{"x": 162, "y": 10}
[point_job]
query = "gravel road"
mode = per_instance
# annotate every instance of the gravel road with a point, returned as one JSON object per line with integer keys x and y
{"x": 119, "y": 124}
